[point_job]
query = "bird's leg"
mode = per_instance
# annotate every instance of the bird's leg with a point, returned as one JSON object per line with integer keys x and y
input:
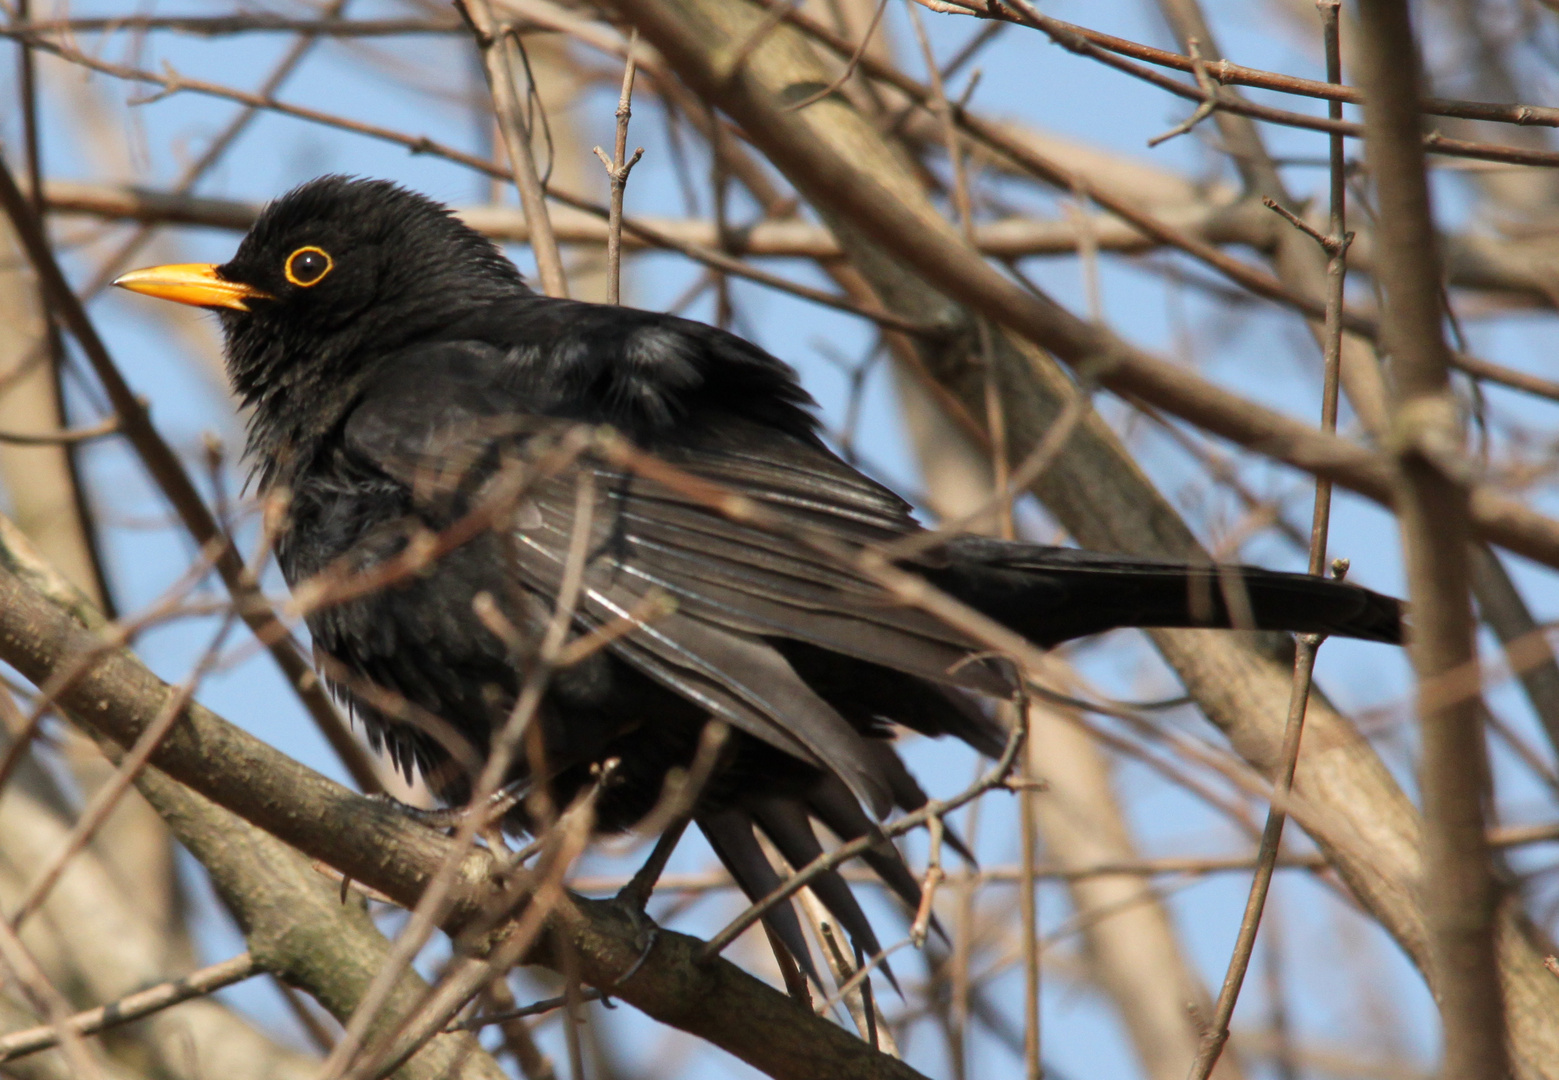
{"x": 635, "y": 895}
{"x": 450, "y": 817}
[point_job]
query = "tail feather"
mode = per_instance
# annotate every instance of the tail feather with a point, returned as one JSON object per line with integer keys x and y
{"x": 832, "y": 804}
{"x": 785, "y": 822}
{"x": 1047, "y": 594}
{"x": 1052, "y": 594}
{"x": 909, "y": 796}
{"x": 730, "y": 833}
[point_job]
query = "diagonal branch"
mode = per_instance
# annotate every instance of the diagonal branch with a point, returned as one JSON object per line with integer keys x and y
{"x": 133, "y": 1006}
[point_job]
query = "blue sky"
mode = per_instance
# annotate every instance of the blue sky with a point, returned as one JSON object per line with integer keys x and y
{"x": 416, "y": 85}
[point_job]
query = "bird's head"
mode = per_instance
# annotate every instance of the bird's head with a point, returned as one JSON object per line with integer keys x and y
{"x": 334, "y": 272}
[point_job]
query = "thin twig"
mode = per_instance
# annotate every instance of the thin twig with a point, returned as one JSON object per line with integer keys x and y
{"x": 134, "y": 1006}
{"x": 943, "y": 109}
{"x": 1204, "y": 108}
{"x": 961, "y": 983}
{"x": 53, "y": 342}
{"x": 518, "y": 1039}
{"x": 538, "y": 1008}
{"x": 1216, "y": 1034}
{"x": 618, "y": 166}
{"x": 1028, "y": 912}
{"x": 858, "y": 978}
{"x": 496, "y": 39}
{"x": 933, "y": 879}
{"x": 849, "y": 67}
{"x": 852, "y": 987}
{"x": 57, "y": 438}
{"x": 256, "y": 22}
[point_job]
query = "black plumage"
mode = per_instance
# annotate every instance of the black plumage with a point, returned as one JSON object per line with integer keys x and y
{"x": 382, "y": 345}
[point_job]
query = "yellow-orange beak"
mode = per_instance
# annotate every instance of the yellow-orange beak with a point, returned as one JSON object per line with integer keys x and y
{"x": 191, "y": 283}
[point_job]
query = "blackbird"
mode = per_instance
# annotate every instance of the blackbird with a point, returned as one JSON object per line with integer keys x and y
{"x": 396, "y": 366}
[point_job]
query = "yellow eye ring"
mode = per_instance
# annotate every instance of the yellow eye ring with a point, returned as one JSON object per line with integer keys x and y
{"x": 308, "y": 266}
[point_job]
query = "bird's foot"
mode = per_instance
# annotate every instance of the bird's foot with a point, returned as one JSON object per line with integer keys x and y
{"x": 633, "y": 897}
{"x": 649, "y": 934}
{"x": 451, "y": 817}
{"x": 444, "y": 817}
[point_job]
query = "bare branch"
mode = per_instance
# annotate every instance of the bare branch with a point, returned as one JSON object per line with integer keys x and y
{"x": 76, "y": 435}
{"x": 618, "y": 166}
{"x": 499, "y": 44}
{"x": 1332, "y": 90}
{"x": 134, "y": 1007}
{"x": 257, "y": 22}
{"x": 1433, "y": 504}
{"x": 1434, "y": 142}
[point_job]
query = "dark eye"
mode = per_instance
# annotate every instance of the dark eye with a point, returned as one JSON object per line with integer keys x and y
{"x": 308, "y": 265}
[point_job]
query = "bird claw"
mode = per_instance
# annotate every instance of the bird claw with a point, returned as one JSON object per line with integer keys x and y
{"x": 633, "y": 898}
{"x": 645, "y": 931}
{"x": 442, "y": 818}
{"x": 451, "y": 817}
{"x": 651, "y": 934}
